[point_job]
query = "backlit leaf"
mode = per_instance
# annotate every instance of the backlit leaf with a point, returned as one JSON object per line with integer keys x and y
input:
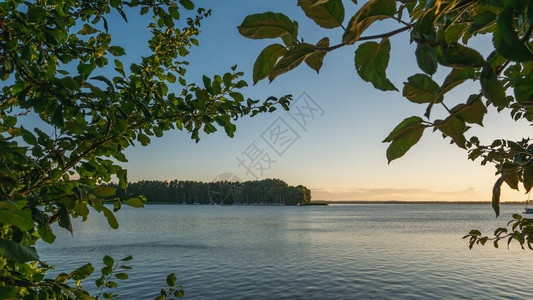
{"x": 110, "y": 217}
{"x": 291, "y": 60}
{"x": 266, "y": 61}
{"x": 523, "y": 88}
{"x": 134, "y": 202}
{"x": 266, "y": 25}
{"x": 371, "y": 61}
{"x": 82, "y": 272}
{"x": 315, "y": 60}
{"x": 473, "y": 111}
{"x": 496, "y": 191}
{"x": 492, "y": 88}
{"x": 20, "y": 218}
{"x": 402, "y": 143}
{"x": 171, "y": 280}
{"x": 104, "y": 191}
{"x": 454, "y": 128}
{"x": 402, "y": 127}
{"x": 506, "y": 40}
{"x": 528, "y": 178}
{"x": 426, "y": 57}
{"x": 327, "y": 14}
{"x": 455, "y": 78}
{"x": 512, "y": 180}
{"x": 420, "y": 88}
{"x": 187, "y": 4}
{"x": 17, "y": 252}
{"x": 371, "y": 11}
{"x": 458, "y": 56}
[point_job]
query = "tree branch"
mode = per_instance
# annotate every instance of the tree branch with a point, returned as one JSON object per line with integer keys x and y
{"x": 370, "y": 37}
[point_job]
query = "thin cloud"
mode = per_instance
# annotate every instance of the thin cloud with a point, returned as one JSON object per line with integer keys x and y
{"x": 398, "y": 194}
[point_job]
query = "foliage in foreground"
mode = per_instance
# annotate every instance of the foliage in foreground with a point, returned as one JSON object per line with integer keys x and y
{"x": 58, "y": 65}
{"x": 441, "y": 30}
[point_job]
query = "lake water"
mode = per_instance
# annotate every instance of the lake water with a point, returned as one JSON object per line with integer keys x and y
{"x": 276, "y": 252}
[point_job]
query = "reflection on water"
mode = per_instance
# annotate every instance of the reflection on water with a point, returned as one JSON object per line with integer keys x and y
{"x": 333, "y": 252}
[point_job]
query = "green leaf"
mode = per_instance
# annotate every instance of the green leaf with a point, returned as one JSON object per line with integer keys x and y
{"x": 128, "y": 258}
{"x": 207, "y": 84}
{"x": 291, "y": 60}
{"x": 46, "y": 234}
{"x": 371, "y": 61}
{"x": 404, "y": 127}
{"x": 402, "y": 143}
{"x": 420, "y": 88}
{"x": 522, "y": 88}
{"x": 10, "y": 215}
{"x": 117, "y": 51}
{"x": 64, "y": 218}
{"x": 266, "y": 61}
{"x": 17, "y": 252}
{"x": 106, "y": 270}
{"x": 86, "y": 69}
{"x": 171, "y": 280}
{"x": 454, "y": 128}
{"x": 506, "y": 40}
{"x": 87, "y": 29}
{"x": 104, "y": 191}
{"x": 482, "y": 21}
{"x": 81, "y": 209}
{"x": 82, "y": 273}
{"x": 187, "y": 4}
{"x": 108, "y": 261}
{"x": 371, "y": 11}
{"x": 528, "y": 178}
{"x": 426, "y": 57}
{"x": 36, "y": 13}
{"x": 123, "y": 179}
{"x": 28, "y": 137}
{"x": 173, "y": 11}
{"x": 9, "y": 292}
{"x": 134, "y": 202}
{"x": 110, "y": 218}
{"x": 266, "y": 25}
{"x": 530, "y": 12}
{"x": 512, "y": 180}
{"x": 472, "y": 112}
{"x": 315, "y": 60}
{"x": 237, "y": 96}
{"x": 325, "y": 13}
{"x": 57, "y": 118}
{"x": 492, "y": 88}
{"x": 458, "y": 56}
{"x": 121, "y": 276}
{"x": 403, "y": 137}
{"x": 496, "y": 191}
{"x": 454, "y": 32}
{"x": 456, "y": 77}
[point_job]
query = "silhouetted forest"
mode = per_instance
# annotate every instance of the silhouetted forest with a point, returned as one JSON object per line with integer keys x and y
{"x": 258, "y": 192}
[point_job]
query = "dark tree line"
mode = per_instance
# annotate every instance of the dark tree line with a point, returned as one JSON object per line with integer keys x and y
{"x": 258, "y": 192}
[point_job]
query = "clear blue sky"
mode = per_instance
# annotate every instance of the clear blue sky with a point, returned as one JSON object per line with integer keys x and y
{"x": 340, "y": 155}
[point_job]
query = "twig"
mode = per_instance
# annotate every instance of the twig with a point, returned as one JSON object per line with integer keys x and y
{"x": 370, "y": 37}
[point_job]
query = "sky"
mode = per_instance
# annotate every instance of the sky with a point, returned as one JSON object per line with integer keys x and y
{"x": 338, "y": 153}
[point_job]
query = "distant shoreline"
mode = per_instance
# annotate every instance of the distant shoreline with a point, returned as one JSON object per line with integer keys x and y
{"x": 314, "y": 203}
{"x": 419, "y": 202}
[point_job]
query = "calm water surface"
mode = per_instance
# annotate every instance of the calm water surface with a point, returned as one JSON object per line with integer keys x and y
{"x": 333, "y": 252}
